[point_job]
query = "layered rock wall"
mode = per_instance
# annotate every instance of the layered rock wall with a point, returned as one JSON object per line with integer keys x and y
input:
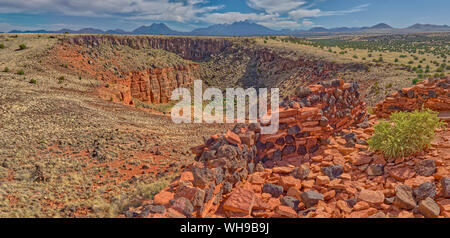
{"x": 432, "y": 93}
{"x": 156, "y": 85}
{"x": 187, "y": 47}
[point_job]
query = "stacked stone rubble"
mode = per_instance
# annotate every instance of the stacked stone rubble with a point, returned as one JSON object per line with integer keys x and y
{"x": 309, "y": 119}
{"x": 226, "y": 160}
{"x": 432, "y": 93}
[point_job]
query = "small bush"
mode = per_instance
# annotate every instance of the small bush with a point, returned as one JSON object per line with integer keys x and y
{"x": 21, "y": 72}
{"x": 2, "y": 46}
{"x": 6, "y": 70}
{"x": 406, "y": 133}
{"x": 33, "y": 81}
{"x": 22, "y": 46}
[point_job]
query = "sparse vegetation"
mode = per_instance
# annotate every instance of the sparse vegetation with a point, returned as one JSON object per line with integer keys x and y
{"x": 6, "y": 70}
{"x": 22, "y": 46}
{"x": 20, "y": 72}
{"x": 2, "y": 46}
{"x": 405, "y": 133}
{"x": 147, "y": 191}
{"x": 33, "y": 81}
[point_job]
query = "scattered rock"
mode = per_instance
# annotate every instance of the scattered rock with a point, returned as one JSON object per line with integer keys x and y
{"x": 375, "y": 170}
{"x": 373, "y": 197}
{"x": 429, "y": 208}
{"x": 311, "y": 198}
{"x": 425, "y": 190}
{"x": 426, "y": 168}
{"x": 202, "y": 177}
{"x": 285, "y": 211}
{"x": 157, "y": 209}
{"x": 290, "y": 202}
{"x": 272, "y": 189}
{"x": 184, "y": 206}
{"x": 445, "y": 182}
{"x": 334, "y": 171}
{"x": 301, "y": 172}
{"x": 404, "y": 197}
{"x": 378, "y": 215}
{"x": 240, "y": 201}
{"x": 163, "y": 198}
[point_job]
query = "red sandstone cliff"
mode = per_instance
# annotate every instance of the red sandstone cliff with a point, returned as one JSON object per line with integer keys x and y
{"x": 156, "y": 85}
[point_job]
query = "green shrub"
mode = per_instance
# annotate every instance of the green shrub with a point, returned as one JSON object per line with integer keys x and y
{"x": 21, "y": 72}
{"x": 415, "y": 81}
{"x": 2, "y": 46}
{"x": 405, "y": 133}
{"x": 6, "y": 70}
{"x": 33, "y": 81}
{"x": 22, "y": 46}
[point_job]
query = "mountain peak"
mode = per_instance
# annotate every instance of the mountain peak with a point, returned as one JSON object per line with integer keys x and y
{"x": 381, "y": 26}
{"x": 426, "y": 26}
{"x": 155, "y": 29}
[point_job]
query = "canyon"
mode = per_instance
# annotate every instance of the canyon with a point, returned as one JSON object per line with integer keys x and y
{"x": 85, "y": 132}
{"x": 210, "y": 60}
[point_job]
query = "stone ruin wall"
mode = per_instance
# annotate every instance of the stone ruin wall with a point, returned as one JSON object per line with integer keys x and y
{"x": 432, "y": 93}
{"x": 307, "y": 120}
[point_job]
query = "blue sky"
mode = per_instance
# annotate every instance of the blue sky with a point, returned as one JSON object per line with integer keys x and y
{"x": 185, "y": 15}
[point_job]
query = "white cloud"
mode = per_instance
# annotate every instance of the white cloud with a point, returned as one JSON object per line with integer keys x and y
{"x": 273, "y": 6}
{"x": 231, "y": 17}
{"x": 182, "y": 11}
{"x": 303, "y": 12}
{"x": 275, "y": 14}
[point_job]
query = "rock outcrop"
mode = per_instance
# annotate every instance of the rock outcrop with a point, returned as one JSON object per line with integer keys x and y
{"x": 156, "y": 85}
{"x": 187, "y": 47}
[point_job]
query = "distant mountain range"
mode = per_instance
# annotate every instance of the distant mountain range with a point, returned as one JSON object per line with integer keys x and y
{"x": 247, "y": 28}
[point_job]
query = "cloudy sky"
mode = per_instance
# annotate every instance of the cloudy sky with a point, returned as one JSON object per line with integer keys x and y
{"x": 185, "y": 15}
